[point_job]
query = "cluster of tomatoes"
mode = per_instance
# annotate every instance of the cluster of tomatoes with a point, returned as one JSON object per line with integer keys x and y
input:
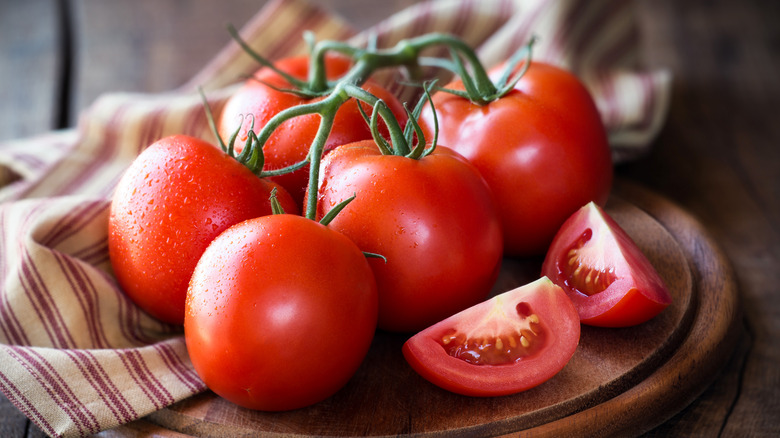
{"x": 327, "y": 216}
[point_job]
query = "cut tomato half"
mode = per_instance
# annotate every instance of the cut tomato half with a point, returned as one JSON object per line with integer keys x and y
{"x": 505, "y": 345}
{"x": 603, "y": 271}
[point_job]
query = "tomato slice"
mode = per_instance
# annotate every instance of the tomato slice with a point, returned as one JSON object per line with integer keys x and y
{"x": 505, "y": 345}
{"x": 606, "y": 275}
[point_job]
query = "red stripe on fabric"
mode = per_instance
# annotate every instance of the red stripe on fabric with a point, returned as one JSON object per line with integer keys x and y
{"x": 100, "y": 381}
{"x": 151, "y": 127}
{"x": 523, "y": 32}
{"x": 619, "y": 47}
{"x": 564, "y": 31}
{"x": 15, "y": 396}
{"x": 284, "y": 47}
{"x": 598, "y": 18}
{"x": 648, "y": 102}
{"x": 422, "y": 21}
{"x": 44, "y": 305}
{"x": 195, "y": 119}
{"x": 184, "y": 373}
{"x": 154, "y": 390}
{"x": 105, "y": 149}
{"x": 609, "y": 107}
{"x": 95, "y": 254}
{"x": 12, "y": 331}
{"x": 107, "y": 192}
{"x": 56, "y": 388}
{"x": 608, "y": 58}
{"x": 462, "y": 16}
{"x": 15, "y": 329}
{"x": 30, "y": 161}
{"x": 130, "y": 320}
{"x": 73, "y": 222}
{"x": 87, "y": 297}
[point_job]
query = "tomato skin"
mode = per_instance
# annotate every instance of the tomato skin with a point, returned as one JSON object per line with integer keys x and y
{"x": 290, "y": 142}
{"x": 558, "y": 321}
{"x": 281, "y": 312}
{"x": 542, "y": 149}
{"x": 633, "y": 292}
{"x": 434, "y": 221}
{"x": 175, "y": 197}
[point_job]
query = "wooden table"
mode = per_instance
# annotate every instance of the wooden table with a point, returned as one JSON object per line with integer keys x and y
{"x": 717, "y": 156}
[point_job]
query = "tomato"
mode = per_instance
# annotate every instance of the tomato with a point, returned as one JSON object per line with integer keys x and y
{"x": 507, "y": 344}
{"x": 290, "y": 142}
{"x": 542, "y": 149}
{"x": 281, "y": 312}
{"x": 175, "y": 197}
{"x": 605, "y": 274}
{"x": 433, "y": 220}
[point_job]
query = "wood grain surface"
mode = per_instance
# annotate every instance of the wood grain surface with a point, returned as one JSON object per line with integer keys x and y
{"x": 717, "y": 156}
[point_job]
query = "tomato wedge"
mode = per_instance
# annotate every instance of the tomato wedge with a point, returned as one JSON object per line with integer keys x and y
{"x": 606, "y": 275}
{"x": 505, "y": 345}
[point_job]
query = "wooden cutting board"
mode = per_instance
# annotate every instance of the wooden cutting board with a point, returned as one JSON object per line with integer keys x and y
{"x": 619, "y": 382}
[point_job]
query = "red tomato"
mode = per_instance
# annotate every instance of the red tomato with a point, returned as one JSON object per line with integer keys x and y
{"x": 605, "y": 274}
{"x": 281, "y": 311}
{"x": 176, "y": 196}
{"x": 508, "y": 344}
{"x": 290, "y": 142}
{"x": 542, "y": 149}
{"x": 434, "y": 221}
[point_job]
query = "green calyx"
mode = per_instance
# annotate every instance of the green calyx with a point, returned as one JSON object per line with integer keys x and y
{"x": 478, "y": 87}
{"x": 402, "y": 141}
{"x": 251, "y": 156}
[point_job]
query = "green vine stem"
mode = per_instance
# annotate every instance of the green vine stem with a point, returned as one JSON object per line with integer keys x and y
{"x": 367, "y": 60}
{"x": 407, "y": 53}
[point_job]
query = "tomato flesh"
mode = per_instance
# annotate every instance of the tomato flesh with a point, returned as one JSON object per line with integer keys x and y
{"x": 522, "y": 337}
{"x": 586, "y": 278}
{"x": 604, "y": 272}
{"x": 507, "y": 344}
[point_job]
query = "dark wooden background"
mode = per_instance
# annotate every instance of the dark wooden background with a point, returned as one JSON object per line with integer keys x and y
{"x": 718, "y": 155}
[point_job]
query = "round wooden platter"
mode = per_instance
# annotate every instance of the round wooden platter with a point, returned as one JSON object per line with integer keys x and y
{"x": 619, "y": 382}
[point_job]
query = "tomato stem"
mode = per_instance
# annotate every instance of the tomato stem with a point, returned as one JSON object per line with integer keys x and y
{"x": 315, "y": 157}
{"x": 276, "y": 207}
{"x": 366, "y": 60}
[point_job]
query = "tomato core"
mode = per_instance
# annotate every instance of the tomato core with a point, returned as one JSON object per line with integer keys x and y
{"x": 483, "y": 346}
{"x": 582, "y": 274}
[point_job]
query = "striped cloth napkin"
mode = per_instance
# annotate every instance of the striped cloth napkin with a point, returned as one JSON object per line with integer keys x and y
{"x": 76, "y": 356}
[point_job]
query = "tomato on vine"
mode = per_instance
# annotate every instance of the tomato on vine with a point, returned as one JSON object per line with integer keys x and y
{"x": 535, "y": 134}
{"x": 280, "y": 312}
{"x": 175, "y": 197}
{"x": 428, "y": 212}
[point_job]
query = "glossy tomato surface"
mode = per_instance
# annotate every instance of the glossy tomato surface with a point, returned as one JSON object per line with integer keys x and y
{"x": 280, "y": 313}
{"x": 175, "y": 197}
{"x": 505, "y": 345}
{"x": 605, "y": 274}
{"x": 542, "y": 149}
{"x": 257, "y": 102}
{"x": 434, "y": 221}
